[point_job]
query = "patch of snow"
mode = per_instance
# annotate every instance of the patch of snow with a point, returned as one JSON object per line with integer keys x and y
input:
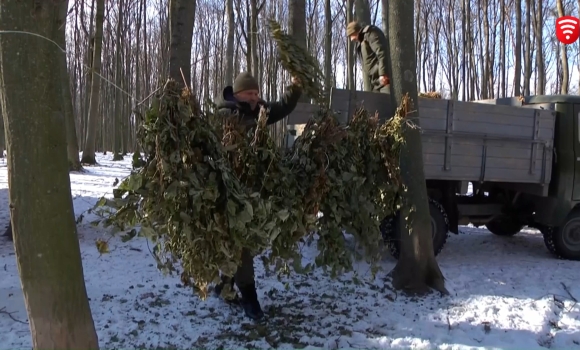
{"x": 506, "y": 292}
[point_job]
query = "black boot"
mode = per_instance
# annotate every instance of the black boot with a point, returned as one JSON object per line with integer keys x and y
{"x": 250, "y": 302}
{"x": 219, "y": 287}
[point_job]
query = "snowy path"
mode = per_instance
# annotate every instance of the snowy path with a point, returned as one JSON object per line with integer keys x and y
{"x": 507, "y": 293}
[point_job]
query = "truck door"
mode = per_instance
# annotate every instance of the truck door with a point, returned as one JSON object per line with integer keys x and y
{"x": 576, "y": 143}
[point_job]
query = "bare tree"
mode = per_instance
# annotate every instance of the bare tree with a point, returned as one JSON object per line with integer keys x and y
{"x": 181, "y": 20}
{"x": 71, "y": 135}
{"x": 563, "y": 55}
{"x": 93, "y": 119}
{"x": 229, "y": 75}
{"x": 46, "y": 244}
{"x": 416, "y": 270}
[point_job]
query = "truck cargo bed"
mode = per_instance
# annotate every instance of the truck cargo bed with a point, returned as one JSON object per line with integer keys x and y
{"x": 472, "y": 141}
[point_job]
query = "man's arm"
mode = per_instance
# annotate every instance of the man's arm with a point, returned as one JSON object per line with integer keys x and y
{"x": 378, "y": 43}
{"x": 281, "y": 108}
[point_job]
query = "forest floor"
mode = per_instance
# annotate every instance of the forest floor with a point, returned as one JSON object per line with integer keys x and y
{"x": 506, "y": 293}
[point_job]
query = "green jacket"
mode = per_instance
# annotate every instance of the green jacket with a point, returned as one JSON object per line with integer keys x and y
{"x": 280, "y": 109}
{"x": 373, "y": 51}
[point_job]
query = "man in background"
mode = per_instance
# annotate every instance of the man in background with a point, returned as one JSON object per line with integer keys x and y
{"x": 373, "y": 49}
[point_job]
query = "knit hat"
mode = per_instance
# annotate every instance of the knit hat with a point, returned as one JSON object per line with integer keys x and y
{"x": 353, "y": 28}
{"x": 245, "y": 81}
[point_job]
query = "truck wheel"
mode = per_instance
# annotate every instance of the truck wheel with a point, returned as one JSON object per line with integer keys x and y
{"x": 504, "y": 225}
{"x": 390, "y": 229}
{"x": 564, "y": 242}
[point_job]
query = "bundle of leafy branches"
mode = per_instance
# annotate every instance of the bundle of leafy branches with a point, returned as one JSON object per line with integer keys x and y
{"x": 298, "y": 62}
{"x": 431, "y": 94}
{"x": 205, "y": 191}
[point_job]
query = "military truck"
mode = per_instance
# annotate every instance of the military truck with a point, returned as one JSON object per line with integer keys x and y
{"x": 522, "y": 157}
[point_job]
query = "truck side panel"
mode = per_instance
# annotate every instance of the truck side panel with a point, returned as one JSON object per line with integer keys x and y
{"x": 472, "y": 141}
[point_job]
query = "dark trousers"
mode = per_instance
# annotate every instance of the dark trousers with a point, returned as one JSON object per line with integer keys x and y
{"x": 244, "y": 276}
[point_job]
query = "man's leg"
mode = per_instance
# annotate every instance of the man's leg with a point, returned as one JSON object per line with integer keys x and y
{"x": 225, "y": 289}
{"x": 245, "y": 274}
{"x": 385, "y": 89}
{"x": 244, "y": 279}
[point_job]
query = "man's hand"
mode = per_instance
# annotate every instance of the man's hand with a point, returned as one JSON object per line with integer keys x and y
{"x": 384, "y": 80}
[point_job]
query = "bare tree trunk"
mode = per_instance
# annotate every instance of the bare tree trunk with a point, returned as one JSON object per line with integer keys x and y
{"x": 518, "y": 49}
{"x": 502, "y": 65}
{"x": 46, "y": 244}
{"x": 563, "y": 56}
{"x": 254, "y": 38}
{"x": 118, "y": 114}
{"x": 297, "y": 27}
{"x": 229, "y": 76}
{"x": 327, "y": 47}
{"x": 540, "y": 64}
{"x": 527, "y": 50}
{"x": 181, "y": 20}
{"x": 74, "y": 161}
{"x": 416, "y": 270}
{"x": 350, "y": 57}
{"x": 363, "y": 15}
{"x": 385, "y": 15}
{"x": 93, "y": 124}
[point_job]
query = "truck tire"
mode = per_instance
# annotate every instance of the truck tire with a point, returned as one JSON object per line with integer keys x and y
{"x": 390, "y": 229}
{"x": 564, "y": 242}
{"x": 504, "y": 225}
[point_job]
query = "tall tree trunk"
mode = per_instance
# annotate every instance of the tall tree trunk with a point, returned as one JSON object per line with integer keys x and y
{"x": 74, "y": 161}
{"x": 93, "y": 124}
{"x": 256, "y": 71}
{"x": 540, "y": 64}
{"x": 385, "y": 15}
{"x": 297, "y": 27}
{"x": 485, "y": 81}
{"x": 563, "y": 56}
{"x": 327, "y": 48}
{"x": 118, "y": 114}
{"x": 527, "y": 49}
{"x": 518, "y": 50}
{"x": 363, "y": 16}
{"x": 464, "y": 49}
{"x": 350, "y": 56}
{"x": 416, "y": 270}
{"x": 181, "y": 20}
{"x": 502, "y": 54}
{"x": 46, "y": 244}
{"x": 229, "y": 76}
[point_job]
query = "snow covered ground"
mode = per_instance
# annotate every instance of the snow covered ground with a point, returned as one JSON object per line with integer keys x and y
{"x": 506, "y": 293}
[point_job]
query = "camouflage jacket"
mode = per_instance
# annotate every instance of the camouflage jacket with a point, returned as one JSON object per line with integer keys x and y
{"x": 227, "y": 105}
{"x": 373, "y": 51}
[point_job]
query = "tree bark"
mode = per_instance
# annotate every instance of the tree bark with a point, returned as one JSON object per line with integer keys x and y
{"x": 350, "y": 56}
{"x": 46, "y": 244}
{"x": 297, "y": 27}
{"x": 181, "y": 20}
{"x": 327, "y": 48}
{"x": 363, "y": 16}
{"x": 89, "y": 149}
{"x": 118, "y": 114}
{"x": 518, "y": 50}
{"x": 540, "y": 64}
{"x": 74, "y": 161}
{"x": 229, "y": 76}
{"x": 563, "y": 56}
{"x": 417, "y": 270}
